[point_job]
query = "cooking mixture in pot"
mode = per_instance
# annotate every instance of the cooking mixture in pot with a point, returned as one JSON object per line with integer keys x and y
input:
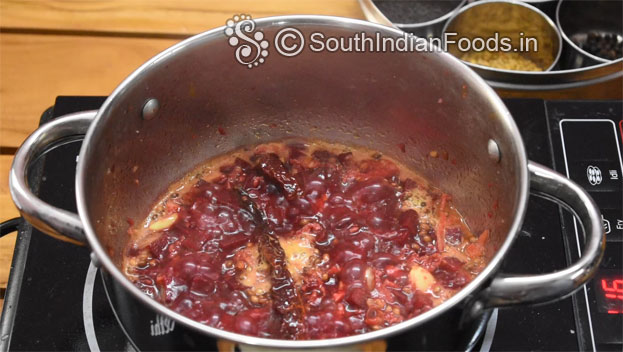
{"x": 303, "y": 240}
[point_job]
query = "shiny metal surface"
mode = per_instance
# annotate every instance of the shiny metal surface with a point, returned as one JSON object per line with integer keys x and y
{"x": 494, "y": 151}
{"x": 508, "y": 290}
{"x": 558, "y": 79}
{"x": 511, "y": 19}
{"x": 373, "y": 13}
{"x": 575, "y": 19}
{"x": 431, "y": 28}
{"x": 554, "y": 80}
{"x": 210, "y": 104}
{"x": 150, "y": 109}
{"x": 56, "y": 222}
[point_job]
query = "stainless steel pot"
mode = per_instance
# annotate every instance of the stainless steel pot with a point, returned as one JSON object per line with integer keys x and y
{"x": 194, "y": 101}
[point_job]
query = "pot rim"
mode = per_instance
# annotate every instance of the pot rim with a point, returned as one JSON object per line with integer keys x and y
{"x": 417, "y": 25}
{"x": 215, "y": 34}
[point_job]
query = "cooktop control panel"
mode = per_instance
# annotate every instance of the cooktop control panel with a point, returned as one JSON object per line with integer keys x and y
{"x": 589, "y": 152}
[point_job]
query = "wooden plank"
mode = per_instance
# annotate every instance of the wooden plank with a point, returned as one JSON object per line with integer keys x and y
{"x": 7, "y": 208}
{"x": 34, "y": 69}
{"x": 7, "y": 211}
{"x": 156, "y": 16}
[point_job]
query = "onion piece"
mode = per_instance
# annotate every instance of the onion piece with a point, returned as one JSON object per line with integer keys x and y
{"x": 163, "y": 223}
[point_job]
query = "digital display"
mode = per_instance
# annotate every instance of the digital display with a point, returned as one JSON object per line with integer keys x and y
{"x": 609, "y": 291}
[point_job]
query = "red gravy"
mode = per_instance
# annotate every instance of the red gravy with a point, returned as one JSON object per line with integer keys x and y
{"x": 303, "y": 240}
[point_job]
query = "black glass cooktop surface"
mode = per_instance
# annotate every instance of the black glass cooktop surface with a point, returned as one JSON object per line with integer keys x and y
{"x": 56, "y": 300}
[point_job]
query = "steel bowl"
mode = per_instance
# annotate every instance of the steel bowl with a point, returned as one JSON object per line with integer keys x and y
{"x": 576, "y": 19}
{"x": 514, "y": 20}
{"x": 561, "y": 79}
{"x": 408, "y": 13}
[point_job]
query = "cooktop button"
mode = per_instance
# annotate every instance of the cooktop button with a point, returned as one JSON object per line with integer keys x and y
{"x": 597, "y": 176}
{"x": 613, "y": 224}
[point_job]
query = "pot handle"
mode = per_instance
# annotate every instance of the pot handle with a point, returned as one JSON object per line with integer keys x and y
{"x": 56, "y": 222}
{"x": 506, "y": 290}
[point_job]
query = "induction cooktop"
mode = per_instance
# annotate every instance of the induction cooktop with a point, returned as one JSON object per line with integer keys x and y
{"x": 56, "y": 300}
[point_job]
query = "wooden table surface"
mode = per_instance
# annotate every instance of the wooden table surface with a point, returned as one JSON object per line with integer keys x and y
{"x": 52, "y": 47}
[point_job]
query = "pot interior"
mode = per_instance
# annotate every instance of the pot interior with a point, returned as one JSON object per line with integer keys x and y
{"x": 210, "y": 104}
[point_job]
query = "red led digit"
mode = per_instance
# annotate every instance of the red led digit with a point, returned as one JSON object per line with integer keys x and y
{"x": 605, "y": 287}
{"x": 609, "y": 292}
{"x": 614, "y": 290}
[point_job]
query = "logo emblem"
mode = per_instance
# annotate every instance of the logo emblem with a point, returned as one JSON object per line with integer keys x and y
{"x": 251, "y": 46}
{"x": 162, "y": 326}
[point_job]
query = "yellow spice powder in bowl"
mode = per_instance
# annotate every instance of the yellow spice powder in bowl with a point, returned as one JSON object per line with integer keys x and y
{"x": 503, "y": 35}
{"x": 502, "y": 60}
